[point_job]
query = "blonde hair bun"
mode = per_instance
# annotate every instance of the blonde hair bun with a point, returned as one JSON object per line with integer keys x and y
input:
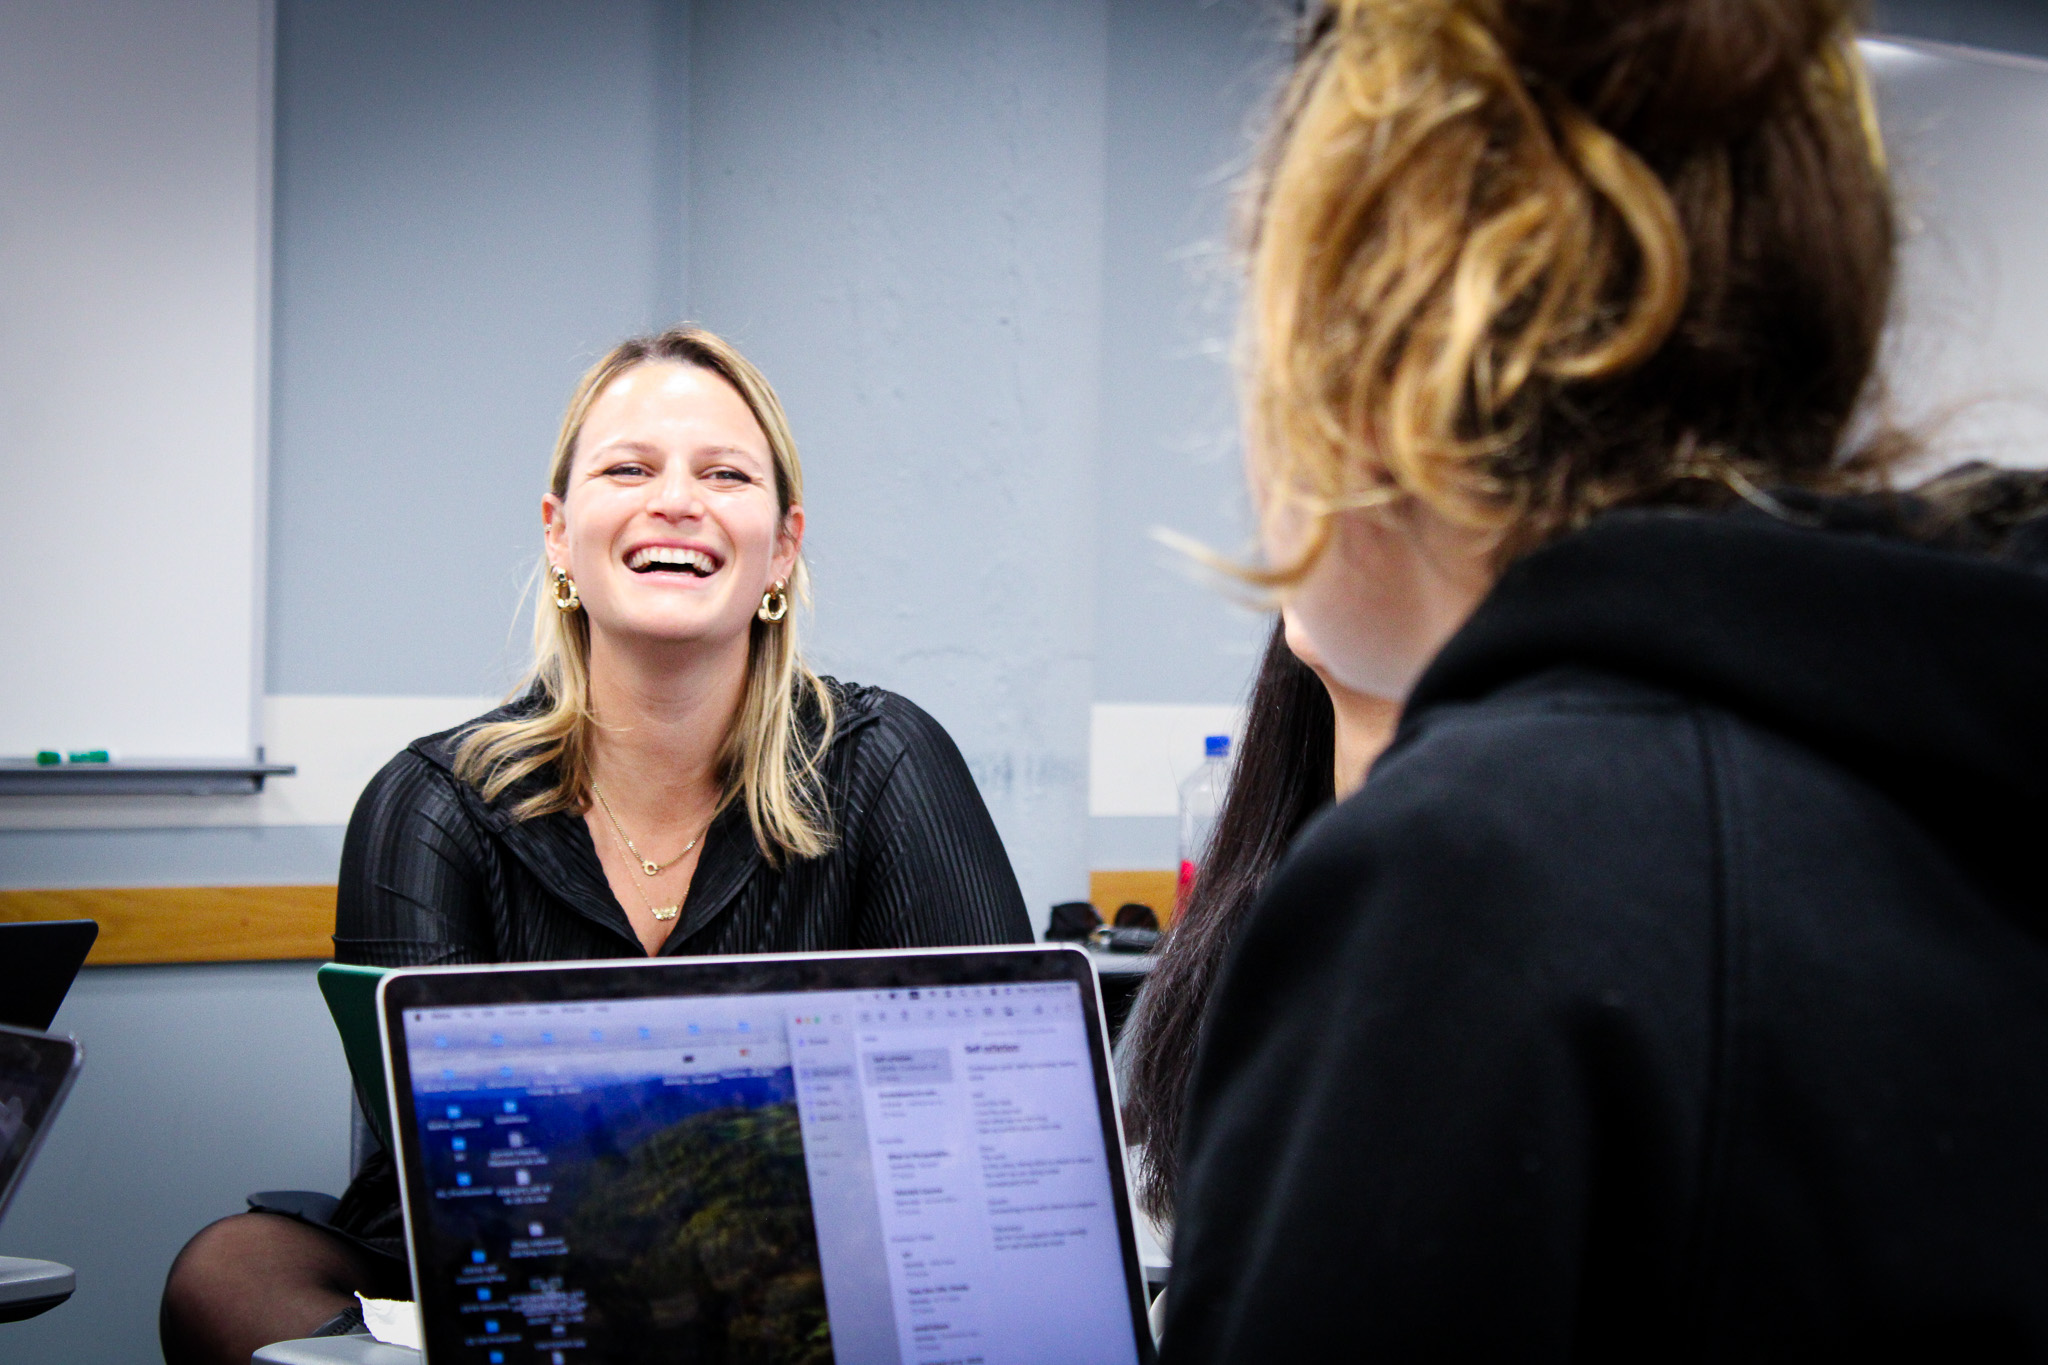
{"x": 1522, "y": 261}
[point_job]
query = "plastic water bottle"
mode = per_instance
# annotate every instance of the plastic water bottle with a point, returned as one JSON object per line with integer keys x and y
{"x": 1201, "y": 797}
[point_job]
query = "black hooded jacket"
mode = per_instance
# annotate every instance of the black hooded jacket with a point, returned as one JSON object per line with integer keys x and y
{"x": 1677, "y": 987}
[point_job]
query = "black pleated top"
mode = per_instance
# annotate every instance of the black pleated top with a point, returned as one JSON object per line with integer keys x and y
{"x": 433, "y": 874}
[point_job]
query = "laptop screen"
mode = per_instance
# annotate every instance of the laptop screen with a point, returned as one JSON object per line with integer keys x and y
{"x": 36, "y": 1071}
{"x": 912, "y": 1174}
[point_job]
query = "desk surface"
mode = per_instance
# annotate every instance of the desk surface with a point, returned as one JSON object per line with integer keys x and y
{"x": 1121, "y": 964}
{"x": 31, "y": 1287}
{"x": 1153, "y": 1256}
{"x": 352, "y": 1350}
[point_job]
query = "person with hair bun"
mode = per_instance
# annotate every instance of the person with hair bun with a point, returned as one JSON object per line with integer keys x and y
{"x": 1677, "y": 983}
{"x": 670, "y": 779}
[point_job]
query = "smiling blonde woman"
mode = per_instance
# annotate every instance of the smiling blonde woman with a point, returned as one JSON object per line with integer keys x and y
{"x": 670, "y": 779}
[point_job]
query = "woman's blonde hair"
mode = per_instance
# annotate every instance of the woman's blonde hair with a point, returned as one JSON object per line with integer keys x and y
{"x": 770, "y": 758}
{"x": 1522, "y": 261}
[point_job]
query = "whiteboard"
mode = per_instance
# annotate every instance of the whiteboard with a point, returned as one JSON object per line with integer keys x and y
{"x": 135, "y": 152}
{"x": 1966, "y": 358}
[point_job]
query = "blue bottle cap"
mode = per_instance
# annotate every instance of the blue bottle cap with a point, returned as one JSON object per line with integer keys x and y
{"x": 1217, "y": 746}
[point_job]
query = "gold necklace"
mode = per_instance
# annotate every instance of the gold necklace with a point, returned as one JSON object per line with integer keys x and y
{"x": 664, "y": 913}
{"x": 647, "y": 864}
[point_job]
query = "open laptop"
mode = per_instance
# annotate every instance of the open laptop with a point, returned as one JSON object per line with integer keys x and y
{"x": 36, "y": 1072}
{"x": 906, "y": 1157}
{"x": 38, "y": 961}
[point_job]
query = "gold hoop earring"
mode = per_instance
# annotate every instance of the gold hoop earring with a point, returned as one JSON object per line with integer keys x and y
{"x": 565, "y": 592}
{"x": 774, "y": 604}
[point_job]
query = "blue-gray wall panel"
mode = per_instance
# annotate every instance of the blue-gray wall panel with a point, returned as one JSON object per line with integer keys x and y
{"x": 896, "y": 210}
{"x": 473, "y": 202}
{"x": 1187, "y": 82}
{"x": 2004, "y": 25}
{"x": 277, "y": 855}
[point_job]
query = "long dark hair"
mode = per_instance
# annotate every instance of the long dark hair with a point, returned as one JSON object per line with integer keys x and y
{"x": 1284, "y": 773}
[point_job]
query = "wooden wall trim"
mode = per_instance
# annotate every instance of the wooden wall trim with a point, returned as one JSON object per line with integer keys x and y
{"x": 1108, "y": 890}
{"x": 142, "y": 924}
{"x": 191, "y": 923}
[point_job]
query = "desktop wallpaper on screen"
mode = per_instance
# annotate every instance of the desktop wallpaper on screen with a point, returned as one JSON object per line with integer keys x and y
{"x": 683, "y": 1201}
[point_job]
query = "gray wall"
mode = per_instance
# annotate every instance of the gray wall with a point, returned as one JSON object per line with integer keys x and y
{"x": 1184, "y": 83}
{"x": 896, "y": 210}
{"x": 473, "y": 202}
{"x": 2004, "y": 25}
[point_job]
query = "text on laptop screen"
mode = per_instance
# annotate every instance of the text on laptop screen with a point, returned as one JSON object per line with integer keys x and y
{"x": 913, "y": 1176}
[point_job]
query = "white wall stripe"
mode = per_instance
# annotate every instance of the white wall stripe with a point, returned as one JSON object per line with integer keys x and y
{"x": 1138, "y": 753}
